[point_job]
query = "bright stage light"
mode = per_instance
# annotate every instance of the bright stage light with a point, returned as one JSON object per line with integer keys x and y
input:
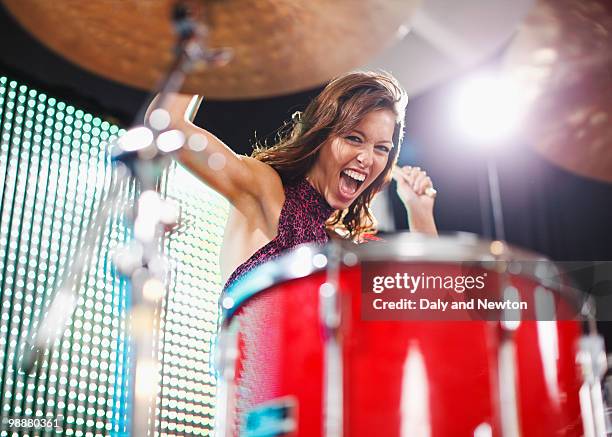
{"x": 488, "y": 109}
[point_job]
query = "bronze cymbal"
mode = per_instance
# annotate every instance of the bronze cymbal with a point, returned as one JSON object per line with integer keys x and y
{"x": 563, "y": 57}
{"x": 280, "y": 46}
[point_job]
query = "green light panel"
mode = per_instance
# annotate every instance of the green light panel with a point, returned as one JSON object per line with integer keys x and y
{"x": 189, "y": 316}
{"x": 54, "y": 169}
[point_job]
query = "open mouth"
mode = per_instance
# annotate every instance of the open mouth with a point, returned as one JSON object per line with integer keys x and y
{"x": 350, "y": 182}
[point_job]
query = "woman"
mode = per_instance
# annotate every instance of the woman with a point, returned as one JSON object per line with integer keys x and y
{"x": 319, "y": 178}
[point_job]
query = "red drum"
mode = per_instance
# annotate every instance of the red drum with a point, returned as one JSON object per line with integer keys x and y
{"x": 285, "y": 372}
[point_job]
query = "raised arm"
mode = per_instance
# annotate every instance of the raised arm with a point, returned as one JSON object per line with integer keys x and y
{"x": 237, "y": 178}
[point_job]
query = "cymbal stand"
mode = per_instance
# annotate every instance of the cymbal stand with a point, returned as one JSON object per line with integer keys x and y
{"x": 150, "y": 278}
{"x": 137, "y": 155}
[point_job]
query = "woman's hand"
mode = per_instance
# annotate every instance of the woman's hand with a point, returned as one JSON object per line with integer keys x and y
{"x": 416, "y": 191}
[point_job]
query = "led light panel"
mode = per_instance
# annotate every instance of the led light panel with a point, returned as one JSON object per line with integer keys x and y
{"x": 55, "y": 169}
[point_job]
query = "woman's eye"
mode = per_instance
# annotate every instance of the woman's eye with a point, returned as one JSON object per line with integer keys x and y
{"x": 353, "y": 139}
{"x": 384, "y": 148}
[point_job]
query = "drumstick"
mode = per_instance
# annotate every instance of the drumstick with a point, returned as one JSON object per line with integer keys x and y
{"x": 397, "y": 173}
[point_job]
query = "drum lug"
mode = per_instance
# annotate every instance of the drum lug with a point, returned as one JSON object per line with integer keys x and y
{"x": 507, "y": 380}
{"x": 330, "y": 318}
{"x": 592, "y": 360}
{"x": 507, "y": 371}
{"x": 329, "y": 308}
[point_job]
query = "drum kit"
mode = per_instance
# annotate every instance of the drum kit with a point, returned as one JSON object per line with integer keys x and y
{"x": 295, "y": 356}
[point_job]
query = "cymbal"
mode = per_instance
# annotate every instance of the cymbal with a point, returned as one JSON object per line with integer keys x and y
{"x": 280, "y": 46}
{"x": 562, "y": 55}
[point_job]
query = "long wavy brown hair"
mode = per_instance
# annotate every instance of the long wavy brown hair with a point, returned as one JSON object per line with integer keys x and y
{"x": 336, "y": 111}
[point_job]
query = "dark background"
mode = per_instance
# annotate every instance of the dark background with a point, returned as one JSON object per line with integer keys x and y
{"x": 546, "y": 209}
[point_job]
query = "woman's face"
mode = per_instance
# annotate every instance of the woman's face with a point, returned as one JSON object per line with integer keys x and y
{"x": 348, "y": 164}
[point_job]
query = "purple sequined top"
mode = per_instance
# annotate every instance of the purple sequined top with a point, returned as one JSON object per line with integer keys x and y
{"x": 302, "y": 220}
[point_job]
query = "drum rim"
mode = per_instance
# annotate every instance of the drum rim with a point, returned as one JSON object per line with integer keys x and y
{"x": 407, "y": 246}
